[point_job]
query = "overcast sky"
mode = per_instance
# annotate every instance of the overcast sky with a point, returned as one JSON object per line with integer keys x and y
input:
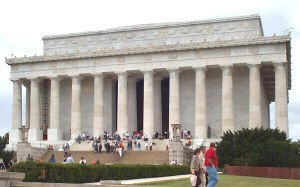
{"x": 23, "y": 23}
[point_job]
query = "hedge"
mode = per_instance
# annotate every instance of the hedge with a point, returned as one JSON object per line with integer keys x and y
{"x": 77, "y": 173}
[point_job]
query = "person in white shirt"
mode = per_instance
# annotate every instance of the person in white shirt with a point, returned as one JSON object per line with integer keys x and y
{"x": 70, "y": 160}
{"x": 83, "y": 136}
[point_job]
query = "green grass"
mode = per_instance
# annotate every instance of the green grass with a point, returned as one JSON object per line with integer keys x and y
{"x": 237, "y": 181}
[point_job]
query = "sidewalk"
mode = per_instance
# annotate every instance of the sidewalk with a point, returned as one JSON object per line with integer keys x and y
{"x": 144, "y": 180}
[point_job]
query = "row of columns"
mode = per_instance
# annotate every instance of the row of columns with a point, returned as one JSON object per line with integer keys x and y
{"x": 126, "y": 110}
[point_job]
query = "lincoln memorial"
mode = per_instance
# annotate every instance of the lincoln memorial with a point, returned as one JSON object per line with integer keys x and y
{"x": 210, "y": 76}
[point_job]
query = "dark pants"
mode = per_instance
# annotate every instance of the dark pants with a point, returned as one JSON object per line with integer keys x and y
{"x": 197, "y": 173}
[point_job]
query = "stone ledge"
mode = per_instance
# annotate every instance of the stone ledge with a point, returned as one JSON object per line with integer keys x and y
{"x": 12, "y": 176}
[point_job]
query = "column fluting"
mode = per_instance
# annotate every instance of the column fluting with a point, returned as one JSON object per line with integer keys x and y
{"x": 148, "y": 104}
{"x": 122, "y": 113}
{"x": 98, "y": 105}
{"x": 281, "y": 102}
{"x": 174, "y": 103}
{"x": 254, "y": 96}
{"x": 132, "y": 104}
{"x": 200, "y": 104}
{"x": 227, "y": 99}
{"x": 76, "y": 107}
{"x": 35, "y": 132}
{"x": 54, "y": 132}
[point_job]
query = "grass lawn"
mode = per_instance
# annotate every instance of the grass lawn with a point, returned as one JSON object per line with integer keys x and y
{"x": 238, "y": 181}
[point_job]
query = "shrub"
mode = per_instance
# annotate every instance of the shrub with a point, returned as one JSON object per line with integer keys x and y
{"x": 77, "y": 173}
{"x": 257, "y": 147}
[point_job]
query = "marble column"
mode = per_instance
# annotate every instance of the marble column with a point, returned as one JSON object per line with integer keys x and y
{"x": 98, "y": 105}
{"x": 76, "y": 107}
{"x": 254, "y": 96}
{"x": 281, "y": 107}
{"x": 132, "y": 104}
{"x": 27, "y": 112}
{"x": 148, "y": 116}
{"x": 55, "y": 132}
{"x": 122, "y": 113}
{"x": 15, "y": 134}
{"x": 174, "y": 103}
{"x": 35, "y": 132}
{"x": 227, "y": 99}
{"x": 109, "y": 110}
{"x": 200, "y": 103}
{"x": 157, "y": 104}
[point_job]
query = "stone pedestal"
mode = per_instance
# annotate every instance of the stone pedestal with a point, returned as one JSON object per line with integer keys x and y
{"x": 55, "y": 134}
{"x": 180, "y": 153}
{"x": 35, "y": 134}
{"x": 177, "y": 151}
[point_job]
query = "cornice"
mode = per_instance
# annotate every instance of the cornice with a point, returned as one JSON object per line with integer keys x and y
{"x": 154, "y": 49}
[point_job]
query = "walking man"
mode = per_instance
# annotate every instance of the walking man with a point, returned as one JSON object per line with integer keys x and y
{"x": 211, "y": 162}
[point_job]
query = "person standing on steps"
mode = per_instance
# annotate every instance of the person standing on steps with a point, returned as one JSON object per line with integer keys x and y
{"x": 211, "y": 162}
{"x": 139, "y": 146}
{"x": 100, "y": 147}
{"x": 52, "y": 159}
{"x": 120, "y": 148}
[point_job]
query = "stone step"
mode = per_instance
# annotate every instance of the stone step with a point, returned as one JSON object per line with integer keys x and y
{"x": 129, "y": 157}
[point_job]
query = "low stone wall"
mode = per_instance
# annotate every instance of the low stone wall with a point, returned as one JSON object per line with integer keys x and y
{"x": 267, "y": 172}
{"x": 25, "y": 148}
{"x": 7, "y": 177}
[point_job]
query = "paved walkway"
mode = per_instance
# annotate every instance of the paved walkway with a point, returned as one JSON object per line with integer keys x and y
{"x": 144, "y": 180}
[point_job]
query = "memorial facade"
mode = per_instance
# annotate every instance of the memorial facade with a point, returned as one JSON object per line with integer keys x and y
{"x": 209, "y": 76}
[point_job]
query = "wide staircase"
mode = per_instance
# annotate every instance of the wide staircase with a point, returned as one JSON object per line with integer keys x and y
{"x": 158, "y": 155}
{"x": 128, "y": 157}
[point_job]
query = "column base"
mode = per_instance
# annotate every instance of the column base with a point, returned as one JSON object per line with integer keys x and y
{"x": 74, "y": 134}
{"x": 14, "y": 136}
{"x": 54, "y": 134}
{"x": 35, "y": 135}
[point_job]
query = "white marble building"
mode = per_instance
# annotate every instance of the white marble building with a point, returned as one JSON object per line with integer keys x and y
{"x": 209, "y": 75}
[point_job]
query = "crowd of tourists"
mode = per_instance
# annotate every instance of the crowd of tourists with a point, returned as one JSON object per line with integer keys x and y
{"x": 203, "y": 165}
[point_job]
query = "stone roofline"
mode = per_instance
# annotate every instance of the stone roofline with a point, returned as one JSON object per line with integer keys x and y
{"x": 155, "y": 26}
{"x": 154, "y": 49}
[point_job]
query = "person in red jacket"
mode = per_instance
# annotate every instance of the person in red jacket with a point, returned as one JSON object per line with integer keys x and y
{"x": 211, "y": 162}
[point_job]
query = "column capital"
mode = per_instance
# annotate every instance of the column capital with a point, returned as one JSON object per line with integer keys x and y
{"x": 170, "y": 70}
{"x": 35, "y": 79}
{"x": 148, "y": 71}
{"x": 122, "y": 73}
{"x": 229, "y": 66}
{"x": 78, "y": 77}
{"x": 277, "y": 64}
{"x": 100, "y": 74}
{"x": 199, "y": 68}
{"x": 250, "y": 65}
{"x": 55, "y": 78}
{"x": 15, "y": 80}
